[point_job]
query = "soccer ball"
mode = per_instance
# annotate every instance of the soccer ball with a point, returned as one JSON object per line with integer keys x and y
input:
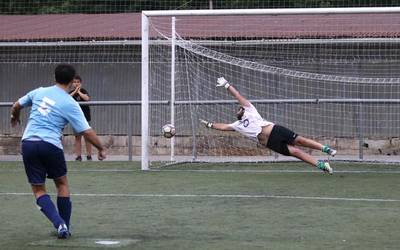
{"x": 168, "y": 130}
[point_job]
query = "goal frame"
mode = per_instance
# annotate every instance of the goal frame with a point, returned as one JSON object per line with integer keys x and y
{"x": 145, "y": 122}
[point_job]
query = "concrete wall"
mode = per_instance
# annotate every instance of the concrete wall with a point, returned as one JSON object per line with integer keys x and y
{"x": 213, "y": 146}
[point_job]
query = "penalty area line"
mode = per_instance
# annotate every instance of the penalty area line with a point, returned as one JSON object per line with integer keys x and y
{"x": 218, "y": 171}
{"x": 234, "y": 196}
{"x": 276, "y": 171}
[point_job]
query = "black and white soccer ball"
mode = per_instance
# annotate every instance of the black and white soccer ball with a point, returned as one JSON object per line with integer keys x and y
{"x": 168, "y": 130}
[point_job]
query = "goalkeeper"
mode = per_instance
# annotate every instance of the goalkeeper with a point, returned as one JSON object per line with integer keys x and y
{"x": 273, "y": 136}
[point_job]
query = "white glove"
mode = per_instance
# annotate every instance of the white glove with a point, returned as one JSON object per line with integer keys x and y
{"x": 206, "y": 123}
{"x": 223, "y": 82}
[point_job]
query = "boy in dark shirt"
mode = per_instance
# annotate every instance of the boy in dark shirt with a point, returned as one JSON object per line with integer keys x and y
{"x": 81, "y": 95}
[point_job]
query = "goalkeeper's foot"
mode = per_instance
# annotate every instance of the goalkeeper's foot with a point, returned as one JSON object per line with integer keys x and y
{"x": 328, "y": 150}
{"x": 324, "y": 166}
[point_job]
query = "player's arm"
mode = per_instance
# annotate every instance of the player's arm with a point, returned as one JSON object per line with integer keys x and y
{"x": 22, "y": 102}
{"x": 91, "y": 136}
{"x": 217, "y": 126}
{"x": 78, "y": 122}
{"x": 15, "y": 113}
{"x": 222, "y": 82}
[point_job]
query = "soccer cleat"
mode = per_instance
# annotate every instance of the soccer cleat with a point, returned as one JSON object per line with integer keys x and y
{"x": 78, "y": 158}
{"x": 324, "y": 166}
{"x": 63, "y": 232}
{"x": 332, "y": 152}
{"x": 89, "y": 157}
{"x": 328, "y": 150}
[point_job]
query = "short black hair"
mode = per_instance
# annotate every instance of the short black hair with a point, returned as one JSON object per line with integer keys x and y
{"x": 64, "y": 73}
{"x": 78, "y": 77}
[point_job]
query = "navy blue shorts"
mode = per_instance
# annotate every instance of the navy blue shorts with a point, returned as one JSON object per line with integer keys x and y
{"x": 41, "y": 160}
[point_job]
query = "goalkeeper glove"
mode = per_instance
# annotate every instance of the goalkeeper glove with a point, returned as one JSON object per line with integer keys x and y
{"x": 223, "y": 82}
{"x": 206, "y": 123}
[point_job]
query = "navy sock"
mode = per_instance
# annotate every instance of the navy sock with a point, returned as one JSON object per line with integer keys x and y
{"x": 64, "y": 208}
{"x": 47, "y": 207}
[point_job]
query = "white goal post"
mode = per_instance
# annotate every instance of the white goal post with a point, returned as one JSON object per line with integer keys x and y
{"x": 168, "y": 38}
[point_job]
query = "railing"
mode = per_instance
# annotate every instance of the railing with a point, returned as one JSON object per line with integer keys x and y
{"x": 130, "y": 104}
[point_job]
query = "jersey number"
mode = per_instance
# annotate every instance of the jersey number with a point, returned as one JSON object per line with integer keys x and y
{"x": 246, "y": 123}
{"x": 45, "y": 106}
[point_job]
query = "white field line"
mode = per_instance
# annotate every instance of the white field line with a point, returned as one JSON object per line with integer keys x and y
{"x": 277, "y": 171}
{"x": 245, "y": 196}
{"x": 221, "y": 171}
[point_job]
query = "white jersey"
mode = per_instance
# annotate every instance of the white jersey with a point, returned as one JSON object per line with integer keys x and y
{"x": 251, "y": 123}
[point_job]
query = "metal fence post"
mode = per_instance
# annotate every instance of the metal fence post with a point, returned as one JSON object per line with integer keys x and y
{"x": 276, "y": 155}
{"x": 130, "y": 132}
{"x": 360, "y": 132}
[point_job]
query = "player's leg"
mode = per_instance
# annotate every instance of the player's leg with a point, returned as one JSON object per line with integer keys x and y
{"x": 305, "y": 142}
{"x": 300, "y": 154}
{"x": 64, "y": 204}
{"x": 309, "y": 143}
{"x": 88, "y": 150}
{"x": 36, "y": 173}
{"x": 56, "y": 169}
{"x": 78, "y": 148}
{"x": 282, "y": 140}
{"x": 44, "y": 202}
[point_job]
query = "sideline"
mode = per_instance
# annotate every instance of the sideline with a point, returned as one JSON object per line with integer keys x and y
{"x": 243, "y": 196}
{"x": 219, "y": 171}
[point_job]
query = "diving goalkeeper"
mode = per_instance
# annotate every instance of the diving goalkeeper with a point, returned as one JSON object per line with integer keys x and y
{"x": 273, "y": 136}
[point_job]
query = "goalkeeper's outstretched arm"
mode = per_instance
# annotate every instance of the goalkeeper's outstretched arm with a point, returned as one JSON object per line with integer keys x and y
{"x": 222, "y": 82}
{"x": 217, "y": 126}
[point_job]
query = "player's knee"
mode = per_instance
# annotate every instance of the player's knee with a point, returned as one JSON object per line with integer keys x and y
{"x": 294, "y": 151}
{"x": 63, "y": 190}
{"x": 61, "y": 184}
{"x": 300, "y": 140}
{"x": 38, "y": 190}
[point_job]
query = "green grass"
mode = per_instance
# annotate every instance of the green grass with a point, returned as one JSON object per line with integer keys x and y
{"x": 176, "y": 209}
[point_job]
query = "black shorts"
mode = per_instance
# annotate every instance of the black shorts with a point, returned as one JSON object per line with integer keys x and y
{"x": 280, "y": 138}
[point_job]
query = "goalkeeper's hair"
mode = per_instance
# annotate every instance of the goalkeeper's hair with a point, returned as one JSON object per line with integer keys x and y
{"x": 64, "y": 73}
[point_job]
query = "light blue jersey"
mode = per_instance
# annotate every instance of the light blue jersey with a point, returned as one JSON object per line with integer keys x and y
{"x": 52, "y": 109}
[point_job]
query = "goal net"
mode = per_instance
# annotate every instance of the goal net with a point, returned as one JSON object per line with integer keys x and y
{"x": 327, "y": 74}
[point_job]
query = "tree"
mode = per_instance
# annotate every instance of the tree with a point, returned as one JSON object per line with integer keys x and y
{"x": 123, "y": 6}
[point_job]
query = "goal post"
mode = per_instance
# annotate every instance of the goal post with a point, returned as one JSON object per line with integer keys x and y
{"x": 145, "y": 94}
{"x": 332, "y": 78}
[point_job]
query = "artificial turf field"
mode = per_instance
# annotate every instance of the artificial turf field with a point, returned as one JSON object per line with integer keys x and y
{"x": 214, "y": 206}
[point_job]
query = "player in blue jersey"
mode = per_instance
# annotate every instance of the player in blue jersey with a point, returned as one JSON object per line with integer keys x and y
{"x": 42, "y": 151}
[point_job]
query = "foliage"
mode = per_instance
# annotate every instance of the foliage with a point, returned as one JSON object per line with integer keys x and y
{"x": 123, "y": 6}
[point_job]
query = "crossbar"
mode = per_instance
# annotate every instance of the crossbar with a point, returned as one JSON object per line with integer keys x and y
{"x": 287, "y": 11}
